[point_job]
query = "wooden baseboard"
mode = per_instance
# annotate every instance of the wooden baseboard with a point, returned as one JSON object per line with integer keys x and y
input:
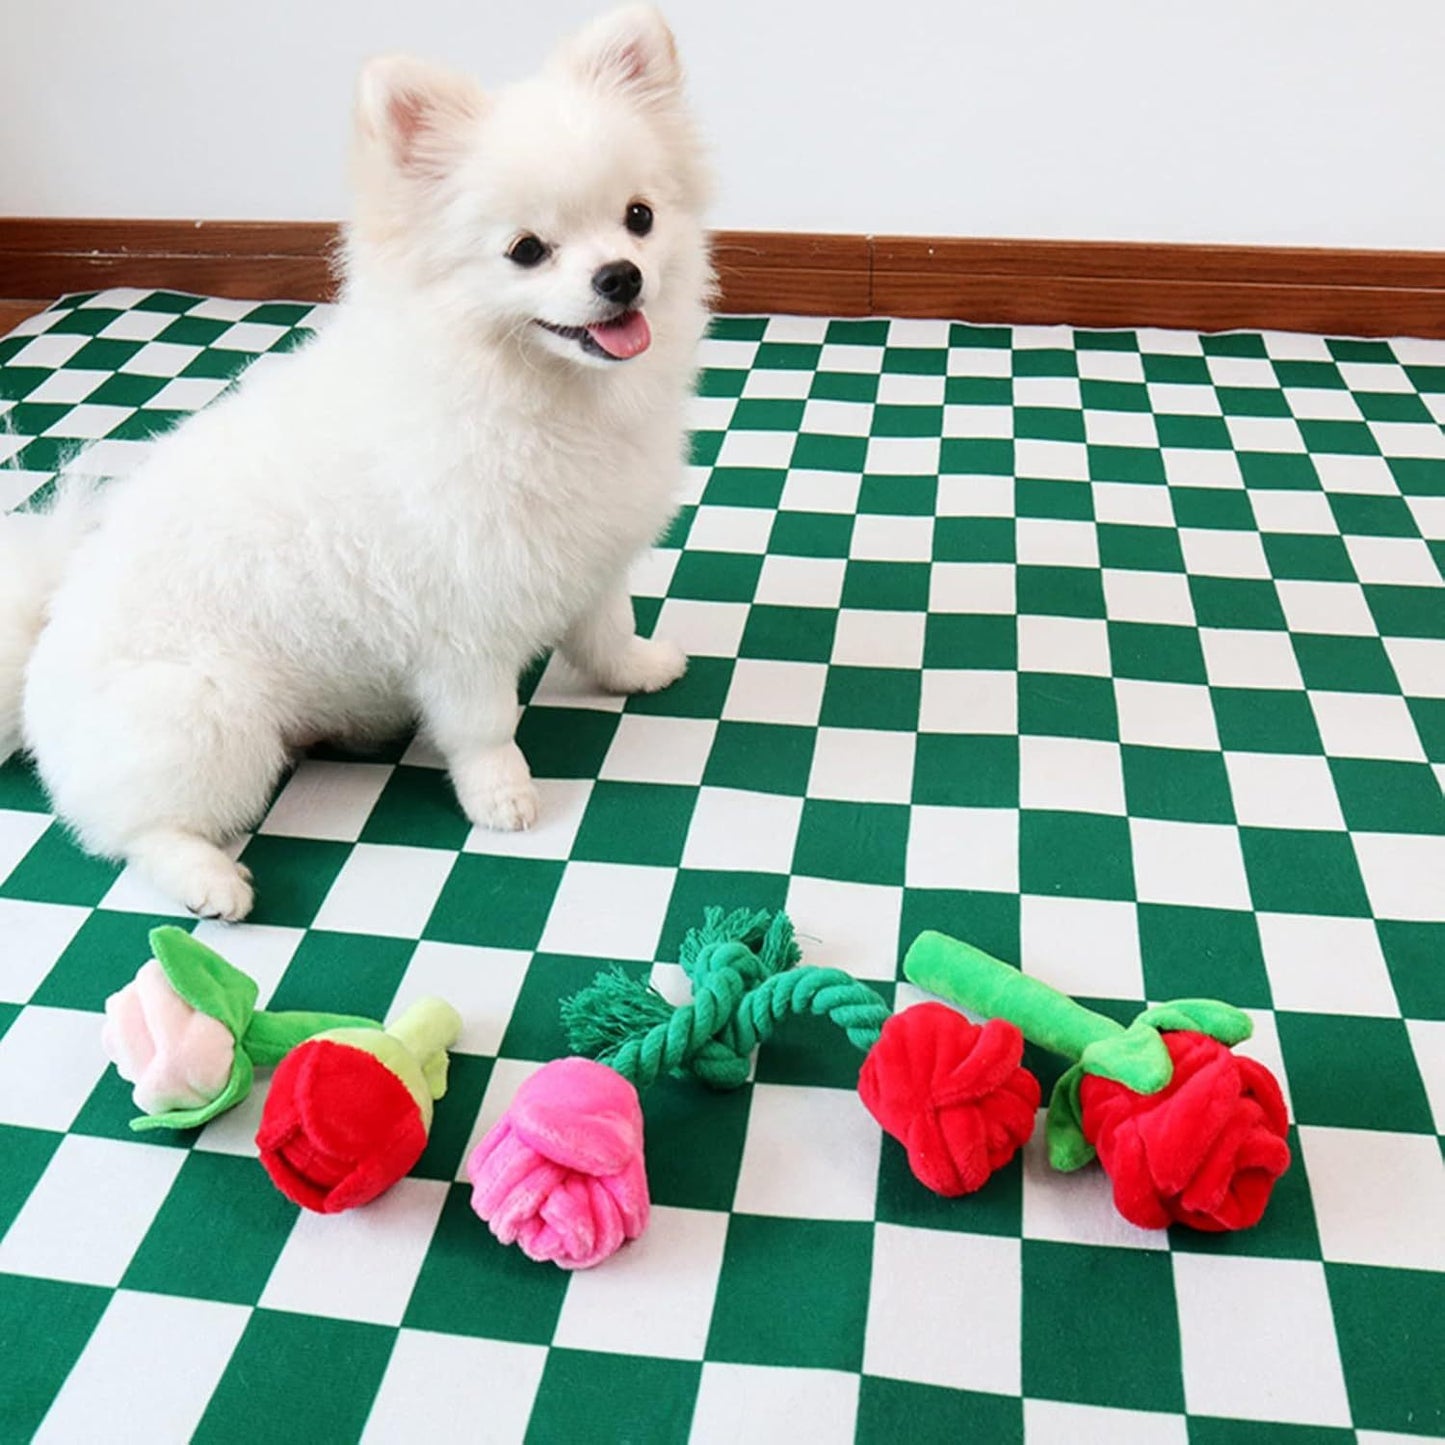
{"x": 1082, "y": 283}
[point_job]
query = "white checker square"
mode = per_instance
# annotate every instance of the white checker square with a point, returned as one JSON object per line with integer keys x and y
{"x": 326, "y": 800}
{"x": 879, "y": 639}
{"x": 784, "y": 1405}
{"x": 1175, "y": 398}
{"x": 970, "y": 848}
{"x": 656, "y": 1296}
{"x": 778, "y": 385}
{"x": 35, "y": 935}
{"x": 1082, "y": 775}
{"x": 904, "y": 389}
{"x": 234, "y": 1132}
{"x": 1366, "y": 725}
{"x": 67, "y": 386}
{"x": 975, "y": 496}
{"x": 159, "y": 358}
{"x": 1356, "y": 476}
{"x": 562, "y": 804}
{"x": 1046, "y": 391}
{"x": 832, "y": 492}
{"x": 609, "y": 910}
{"x": 387, "y": 889}
{"x": 1278, "y": 1360}
{"x": 810, "y": 330}
{"x": 136, "y": 326}
{"x": 800, "y": 581}
{"x": 648, "y": 749}
{"x": 1110, "y": 366}
{"x": 249, "y": 336}
{"x": 825, "y": 417}
{"x": 919, "y": 1326}
{"x": 440, "y": 1387}
{"x": 651, "y": 573}
{"x": 1401, "y": 561}
{"x": 730, "y": 529}
{"x": 851, "y": 358}
{"x": 1130, "y": 504}
{"x": 263, "y": 950}
{"x": 1419, "y": 664}
{"x": 360, "y": 1265}
{"x": 89, "y": 421}
{"x": 1120, "y": 429}
{"x": 562, "y": 685}
{"x": 773, "y": 449}
{"x": 1429, "y": 515}
{"x": 194, "y": 1337}
{"x": 1083, "y": 946}
{"x": 1053, "y": 542}
{"x": 925, "y": 331}
{"x": 968, "y": 700}
{"x": 1336, "y": 608}
{"x": 1051, "y": 461}
{"x": 1059, "y": 1422}
{"x": 986, "y": 587}
{"x": 810, "y": 1153}
{"x": 1161, "y": 597}
{"x": 1219, "y": 553}
{"x": 1165, "y": 714}
{"x": 703, "y": 629}
{"x": 50, "y": 1060}
{"x": 1427, "y": 1040}
{"x": 1302, "y": 513}
{"x": 1189, "y": 863}
{"x": 1316, "y": 403}
{"x": 1075, "y": 645}
{"x": 741, "y": 831}
{"x": 763, "y": 690}
{"x": 710, "y": 413}
{"x": 1241, "y": 371}
{"x": 892, "y": 539}
{"x": 1281, "y": 790}
{"x": 1404, "y": 874}
{"x": 961, "y": 420}
{"x": 1326, "y": 965}
{"x": 1238, "y": 657}
{"x": 862, "y": 765}
{"x": 482, "y": 984}
{"x": 1408, "y": 439}
{"x": 54, "y": 349}
{"x": 727, "y": 353}
{"x": 980, "y": 361}
{"x": 1265, "y": 434}
{"x": 1214, "y": 470}
{"x": 903, "y": 456}
{"x": 90, "y": 1209}
{"x": 855, "y": 925}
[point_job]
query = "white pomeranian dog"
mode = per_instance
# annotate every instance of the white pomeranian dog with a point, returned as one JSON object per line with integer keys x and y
{"x": 391, "y": 523}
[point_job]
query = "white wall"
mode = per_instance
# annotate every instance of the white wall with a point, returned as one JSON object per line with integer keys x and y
{"x": 1311, "y": 122}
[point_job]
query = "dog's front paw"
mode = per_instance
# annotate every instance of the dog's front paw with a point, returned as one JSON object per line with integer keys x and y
{"x": 647, "y": 664}
{"x": 496, "y": 790}
{"x": 221, "y": 892}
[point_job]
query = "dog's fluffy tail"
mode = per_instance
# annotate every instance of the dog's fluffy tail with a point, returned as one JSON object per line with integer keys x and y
{"x": 34, "y": 550}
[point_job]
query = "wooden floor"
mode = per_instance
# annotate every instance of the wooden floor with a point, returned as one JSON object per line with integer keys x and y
{"x": 12, "y": 313}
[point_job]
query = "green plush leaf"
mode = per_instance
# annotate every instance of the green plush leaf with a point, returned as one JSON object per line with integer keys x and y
{"x": 1220, "y": 1021}
{"x": 1063, "y": 1126}
{"x": 237, "y": 1087}
{"x": 1136, "y": 1058}
{"x": 204, "y": 979}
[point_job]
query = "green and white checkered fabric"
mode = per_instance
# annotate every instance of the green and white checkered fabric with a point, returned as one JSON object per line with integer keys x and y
{"x": 1121, "y": 654}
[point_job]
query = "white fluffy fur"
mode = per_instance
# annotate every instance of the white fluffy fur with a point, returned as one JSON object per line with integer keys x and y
{"x": 393, "y": 521}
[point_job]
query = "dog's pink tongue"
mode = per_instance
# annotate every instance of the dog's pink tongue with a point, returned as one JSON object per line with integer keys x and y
{"x": 629, "y": 335}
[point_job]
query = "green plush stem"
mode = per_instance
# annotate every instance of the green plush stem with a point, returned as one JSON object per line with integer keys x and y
{"x": 968, "y": 976}
{"x": 269, "y": 1037}
{"x": 429, "y": 1028}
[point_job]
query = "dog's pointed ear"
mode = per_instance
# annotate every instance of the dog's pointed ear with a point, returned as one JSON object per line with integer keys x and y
{"x": 630, "y": 50}
{"x": 416, "y": 113}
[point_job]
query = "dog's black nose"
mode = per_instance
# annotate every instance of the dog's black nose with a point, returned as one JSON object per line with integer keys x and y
{"x": 618, "y": 282}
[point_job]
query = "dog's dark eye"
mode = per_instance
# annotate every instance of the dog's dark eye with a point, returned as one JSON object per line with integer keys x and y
{"x": 527, "y": 251}
{"x": 639, "y": 218}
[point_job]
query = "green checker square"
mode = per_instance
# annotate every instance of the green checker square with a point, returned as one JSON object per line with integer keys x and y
{"x": 1156, "y": 651}
{"x": 1048, "y": 423}
{"x": 1216, "y": 510}
{"x": 1312, "y": 558}
{"x": 642, "y": 823}
{"x": 30, "y": 418}
{"x": 127, "y": 389}
{"x": 989, "y": 921}
{"x": 9, "y": 1012}
{"x": 1383, "y": 1320}
{"x": 906, "y": 421}
{"x": 676, "y": 534}
{"x": 679, "y": 1173}
{"x": 456, "y": 1113}
{"x": 761, "y": 757}
{"x": 716, "y": 576}
{"x": 1234, "y": 343}
{"x": 956, "y": 639}
{"x": 142, "y": 425}
{"x": 565, "y": 742}
{"x": 417, "y": 808}
{"x": 792, "y": 1292}
{"x": 1260, "y": 720}
{"x": 1062, "y": 705}
{"x": 107, "y": 1113}
{"x": 1183, "y": 785}
{"x": 1077, "y": 855}
{"x": 1353, "y": 1073}
{"x": 26, "y": 1153}
{"x": 1344, "y": 664}
{"x": 281, "y": 313}
{"x": 218, "y": 1233}
{"x": 901, "y": 1199}
{"x": 1428, "y": 715}
{"x": 819, "y": 453}
{"x": 293, "y": 875}
{"x": 811, "y": 534}
{"x": 980, "y": 456}
{"x": 979, "y": 391}
{"x": 1106, "y": 341}
{"x": 1350, "y": 349}
{"x": 915, "y": 360}
{"x": 168, "y": 303}
{"x": 1045, "y": 361}
{"x": 704, "y": 447}
{"x": 789, "y": 634}
{"x": 767, "y": 414}
{"x": 1319, "y": 375}
{"x": 588, "y": 1396}
{"x": 898, "y": 496}
{"x": 1339, "y": 438}
{"x": 55, "y": 870}
{"x": 1393, "y": 406}
{"x": 695, "y": 890}
{"x": 1370, "y": 516}
{"x": 1202, "y": 953}
{"x": 20, "y": 787}
{"x": 1428, "y": 379}
{"x": 193, "y": 331}
{"x": 699, "y": 692}
{"x": 217, "y": 365}
{"x": 845, "y": 386}
{"x": 1140, "y": 549}
{"x": 1252, "y": 401}
{"x": 1413, "y": 954}
{"x": 363, "y": 969}
{"x": 102, "y": 957}
{"x": 1212, "y": 1430}
{"x": 44, "y": 1327}
{"x": 738, "y": 328}
{"x": 745, "y": 487}
{"x": 494, "y": 900}
{"x": 103, "y": 355}
{"x": 852, "y": 842}
{"x": 894, "y": 1410}
{"x": 1409, "y": 611}
{"x": 787, "y": 356}
{"x": 390, "y": 750}
{"x": 721, "y": 381}
{"x": 83, "y": 321}
{"x": 1114, "y": 395}
{"x": 871, "y": 697}
{"x": 966, "y": 770}
{"x": 974, "y": 539}
{"x": 1195, "y": 433}
{"x": 857, "y": 333}
{"x": 1241, "y": 603}
{"x": 1100, "y": 1326}
{"x": 326, "y": 1371}
{"x": 964, "y": 335}
{"x": 1126, "y": 464}
{"x": 17, "y": 382}
{"x": 1072, "y": 501}
{"x": 1177, "y": 370}
{"x": 1278, "y": 471}
{"x": 1295, "y": 871}
{"x": 471, "y": 1285}
{"x": 44, "y": 454}
{"x": 887, "y": 586}
{"x": 1060, "y": 592}
{"x": 535, "y": 1030}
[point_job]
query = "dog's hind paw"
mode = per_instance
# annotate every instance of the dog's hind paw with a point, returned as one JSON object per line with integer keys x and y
{"x": 647, "y": 664}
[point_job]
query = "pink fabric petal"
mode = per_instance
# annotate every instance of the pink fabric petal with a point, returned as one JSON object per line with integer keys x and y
{"x": 579, "y": 1113}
